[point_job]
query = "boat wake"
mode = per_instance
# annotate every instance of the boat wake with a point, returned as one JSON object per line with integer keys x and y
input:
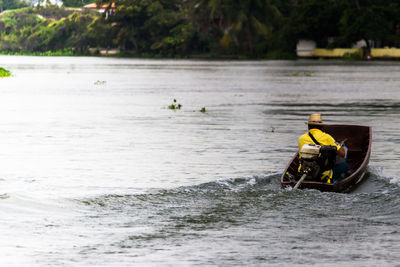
{"x": 224, "y": 211}
{"x": 377, "y": 182}
{"x": 216, "y": 189}
{"x": 378, "y": 172}
{"x": 234, "y": 188}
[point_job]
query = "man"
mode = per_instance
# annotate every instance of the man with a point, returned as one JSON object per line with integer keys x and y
{"x": 315, "y": 135}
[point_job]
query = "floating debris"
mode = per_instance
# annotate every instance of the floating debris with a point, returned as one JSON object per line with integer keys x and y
{"x": 4, "y": 196}
{"x": 100, "y": 83}
{"x": 309, "y": 73}
{"x": 296, "y": 74}
{"x": 303, "y": 74}
{"x": 203, "y": 109}
{"x": 174, "y": 105}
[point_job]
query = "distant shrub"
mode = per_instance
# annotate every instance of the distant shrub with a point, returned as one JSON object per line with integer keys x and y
{"x": 353, "y": 56}
{"x": 4, "y": 73}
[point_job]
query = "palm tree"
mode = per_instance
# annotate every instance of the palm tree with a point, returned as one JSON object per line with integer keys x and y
{"x": 242, "y": 21}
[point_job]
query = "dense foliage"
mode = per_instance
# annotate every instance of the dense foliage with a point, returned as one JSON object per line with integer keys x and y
{"x": 11, "y": 4}
{"x": 76, "y": 3}
{"x": 48, "y": 29}
{"x": 239, "y": 28}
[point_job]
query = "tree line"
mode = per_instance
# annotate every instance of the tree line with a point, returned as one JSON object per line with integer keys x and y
{"x": 213, "y": 28}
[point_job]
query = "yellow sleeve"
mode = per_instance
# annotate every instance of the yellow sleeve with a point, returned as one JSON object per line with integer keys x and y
{"x": 329, "y": 141}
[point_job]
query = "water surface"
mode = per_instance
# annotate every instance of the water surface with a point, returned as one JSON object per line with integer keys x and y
{"x": 96, "y": 170}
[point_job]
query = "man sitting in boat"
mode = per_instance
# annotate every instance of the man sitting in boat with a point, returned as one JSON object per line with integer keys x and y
{"x": 315, "y": 135}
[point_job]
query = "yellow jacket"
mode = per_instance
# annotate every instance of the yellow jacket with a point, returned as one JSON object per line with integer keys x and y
{"x": 324, "y": 139}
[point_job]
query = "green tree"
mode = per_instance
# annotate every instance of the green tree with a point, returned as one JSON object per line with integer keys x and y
{"x": 370, "y": 20}
{"x": 245, "y": 26}
{"x": 46, "y": 29}
{"x": 76, "y": 3}
{"x": 144, "y": 26}
{"x": 316, "y": 20}
{"x": 11, "y": 4}
{"x": 100, "y": 33}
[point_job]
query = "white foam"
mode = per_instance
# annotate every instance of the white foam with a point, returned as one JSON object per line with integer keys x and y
{"x": 379, "y": 172}
{"x": 394, "y": 180}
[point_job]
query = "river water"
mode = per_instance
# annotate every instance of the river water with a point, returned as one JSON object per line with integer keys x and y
{"x": 97, "y": 171}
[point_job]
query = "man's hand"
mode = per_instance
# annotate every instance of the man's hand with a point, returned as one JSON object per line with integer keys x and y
{"x": 341, "y": 152}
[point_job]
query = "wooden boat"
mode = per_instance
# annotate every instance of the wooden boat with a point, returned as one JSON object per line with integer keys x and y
{"x": 359, "y": 139}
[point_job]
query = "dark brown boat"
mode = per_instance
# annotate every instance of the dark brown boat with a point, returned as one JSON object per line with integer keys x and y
{"x": 358, "y": 141}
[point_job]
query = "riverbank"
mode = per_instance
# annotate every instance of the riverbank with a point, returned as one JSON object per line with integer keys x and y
{"x": 317, "y": 53}
{"x": 116, "y": 52}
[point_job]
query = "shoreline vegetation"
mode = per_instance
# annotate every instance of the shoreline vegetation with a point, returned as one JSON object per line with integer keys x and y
{"x": 202, "y": 29}
{"x": 63, "y": 53}
{"x": 383, "y": 54}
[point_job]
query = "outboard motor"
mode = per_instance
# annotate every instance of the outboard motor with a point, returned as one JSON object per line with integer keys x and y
{"x": 308, "y": 159}
{"x": 315, "y": 159}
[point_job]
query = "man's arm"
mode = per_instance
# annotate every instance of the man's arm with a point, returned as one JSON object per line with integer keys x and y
{"x": 340, "y": 151}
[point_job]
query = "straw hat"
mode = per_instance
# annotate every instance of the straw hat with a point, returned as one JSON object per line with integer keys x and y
{"x": 315, "y": 119}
